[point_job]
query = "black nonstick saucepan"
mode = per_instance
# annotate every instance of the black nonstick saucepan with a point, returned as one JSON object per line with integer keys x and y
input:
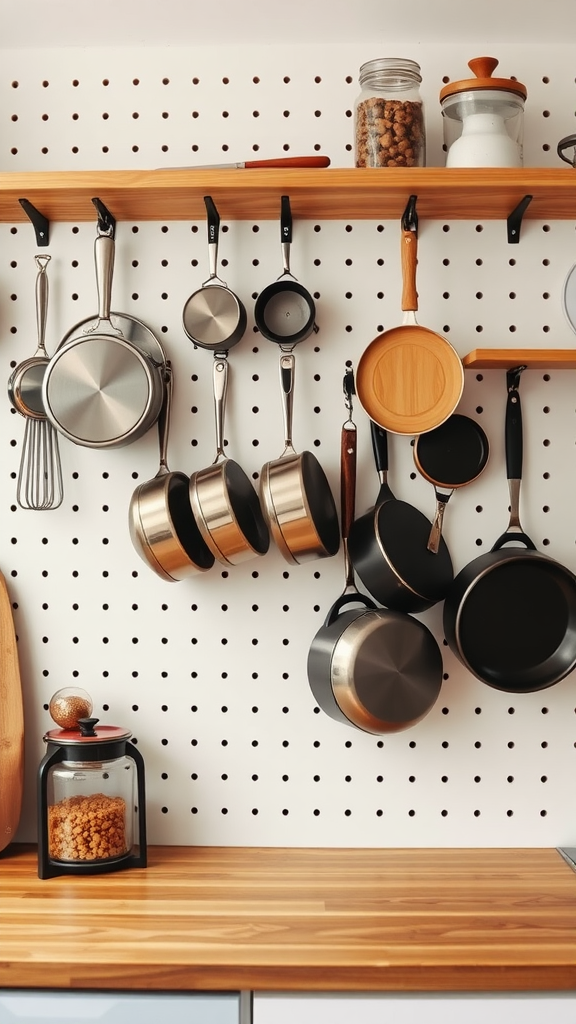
{"x": 371, "y": 668}
{"x": 510, "y": 614}
{"x": 449, "y": 457}
{"x": 389, "y": 547}
{"x": 285, "y": 311}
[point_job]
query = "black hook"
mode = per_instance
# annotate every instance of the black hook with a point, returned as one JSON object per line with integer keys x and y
{"x": 40, "y": 223}
{"x": 513, "y": 377}
{"x": 410, "y": 216}
{"x": 106, "y": 222}
{"x": 514, "y": 221}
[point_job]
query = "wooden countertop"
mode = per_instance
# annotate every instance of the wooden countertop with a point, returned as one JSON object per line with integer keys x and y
{"x": 301, "y": 919}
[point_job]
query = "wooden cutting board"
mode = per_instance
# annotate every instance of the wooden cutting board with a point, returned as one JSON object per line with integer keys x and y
{"x": 11, "y": 724}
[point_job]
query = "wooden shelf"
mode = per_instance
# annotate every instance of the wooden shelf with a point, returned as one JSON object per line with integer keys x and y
{"x": 332, "y": 194}
{"x": 533, "y": 358}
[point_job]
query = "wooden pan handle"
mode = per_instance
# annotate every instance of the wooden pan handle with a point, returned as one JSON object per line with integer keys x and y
{"x": 348, "y": 439}
{"x": 409, "y": 258}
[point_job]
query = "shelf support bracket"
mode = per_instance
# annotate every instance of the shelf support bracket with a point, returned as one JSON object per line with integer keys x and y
{"x": 514, "y": 221}
{"x": 106, "y": 222}
{"x": 40, "y": 223}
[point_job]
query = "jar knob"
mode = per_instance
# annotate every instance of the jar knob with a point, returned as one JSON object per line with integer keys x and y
{"x": 87, "y": 726}
{"x": 483, "y": 66}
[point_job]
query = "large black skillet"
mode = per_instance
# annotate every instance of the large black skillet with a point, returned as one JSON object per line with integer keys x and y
{"x": 510, "y": 614}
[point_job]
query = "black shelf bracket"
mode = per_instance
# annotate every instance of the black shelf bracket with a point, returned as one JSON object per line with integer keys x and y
{"x": 40, "y": 223}
{"x": 514, "y": 221}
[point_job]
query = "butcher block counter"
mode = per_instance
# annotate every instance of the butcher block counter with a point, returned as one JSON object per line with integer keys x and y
{"x": 295, "y": 919}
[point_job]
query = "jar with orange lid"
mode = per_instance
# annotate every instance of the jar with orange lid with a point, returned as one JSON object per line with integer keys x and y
{"x": 483, "y": 118}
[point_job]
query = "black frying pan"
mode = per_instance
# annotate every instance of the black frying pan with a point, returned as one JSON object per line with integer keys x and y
{"x": 510, "y": 615}
{"x": 388, "y": 547}
{"x": 451, "y": 456}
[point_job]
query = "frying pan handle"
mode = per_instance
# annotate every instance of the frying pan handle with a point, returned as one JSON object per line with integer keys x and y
{"x": 345, "y": 599}
{"x": 379, "y": 446}
{"x": 409, "y": 260}
{"x": 104, "y": 247}
{"x": 380, "y": 449}
{"x": 213, "y": 234}
{"x": 513, "y": 432}
{"x": 348, "y": 450}
{"x": 514, "y": 445}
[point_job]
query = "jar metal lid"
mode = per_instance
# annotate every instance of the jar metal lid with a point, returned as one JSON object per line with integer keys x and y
{"x": 483, "y": 68}
{"x": 393, "y": 67}
{"x": 73, "y": 737}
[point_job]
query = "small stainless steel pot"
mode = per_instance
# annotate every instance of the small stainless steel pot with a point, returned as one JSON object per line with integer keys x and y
{"x": 222, "y": 496}
{"x": 214, "y": 317}
{"x": 162, "y": 526}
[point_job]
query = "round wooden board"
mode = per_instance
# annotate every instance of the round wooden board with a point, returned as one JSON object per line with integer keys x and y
{"x": 409, "y": 380}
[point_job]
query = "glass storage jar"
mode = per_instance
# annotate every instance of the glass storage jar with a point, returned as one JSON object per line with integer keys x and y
{"x": 483, "y": 118}
{"x": 91, "y": 801}
{"x": 389, "y": 115}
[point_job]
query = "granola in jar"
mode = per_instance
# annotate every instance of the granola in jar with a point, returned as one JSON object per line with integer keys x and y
{"x": 389, "y": 115}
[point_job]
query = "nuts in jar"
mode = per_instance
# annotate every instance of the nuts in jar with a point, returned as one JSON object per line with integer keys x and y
{"x": 87, "y": 828}
{"x": 389, "y": 116}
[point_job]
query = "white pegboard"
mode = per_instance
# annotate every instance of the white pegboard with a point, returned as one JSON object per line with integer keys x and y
{"x": 210, "y": 673}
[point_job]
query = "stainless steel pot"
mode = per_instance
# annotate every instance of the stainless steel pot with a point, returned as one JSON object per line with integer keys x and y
{"x": 162, "y": 526}
{"x": 295, "y": 492}
{"x": 214, "y": 317}
{"x": 222, "y": 496}
{"x": 99, "y": 389}
{"x": 375, "y": 669}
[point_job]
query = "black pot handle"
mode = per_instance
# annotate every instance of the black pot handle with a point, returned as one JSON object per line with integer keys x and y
{"x": 380, "y": 449}
{"x": 346, "y": 599}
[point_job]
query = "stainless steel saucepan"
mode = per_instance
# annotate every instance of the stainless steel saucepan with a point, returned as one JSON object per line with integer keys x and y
{"x": 162, "y": 526}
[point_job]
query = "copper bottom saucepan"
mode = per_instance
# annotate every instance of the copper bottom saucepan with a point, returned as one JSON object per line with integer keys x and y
{"x": 295, "y": 492}
{"x": 222, "y": 496}
{"x": 162, "y": 526}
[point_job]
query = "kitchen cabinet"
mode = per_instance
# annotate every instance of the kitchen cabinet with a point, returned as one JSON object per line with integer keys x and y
{"x": 21, "y": 1006}
{"x": 447, "y": 1008}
